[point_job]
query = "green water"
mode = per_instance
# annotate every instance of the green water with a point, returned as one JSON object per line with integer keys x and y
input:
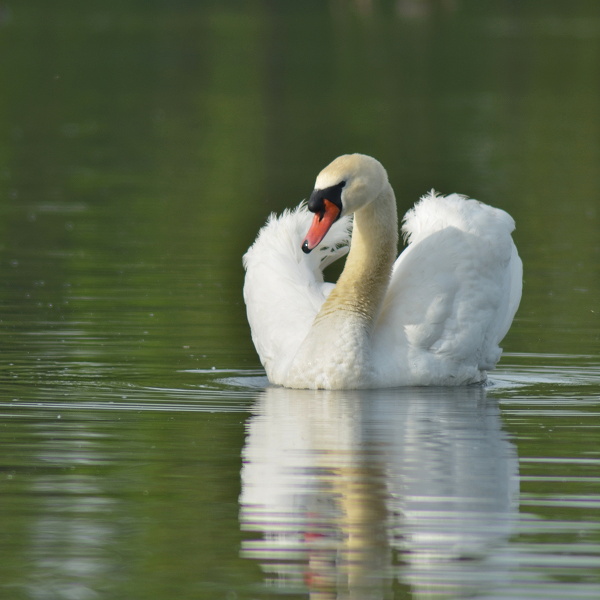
{"x": 142, "y": 455}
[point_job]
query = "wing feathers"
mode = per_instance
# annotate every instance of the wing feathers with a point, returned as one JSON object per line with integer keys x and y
{"x": 453, "y": 292}
{"x": 284, "y": 287}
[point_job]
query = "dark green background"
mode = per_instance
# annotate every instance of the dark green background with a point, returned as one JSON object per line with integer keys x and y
{"x": 143, "y": 144}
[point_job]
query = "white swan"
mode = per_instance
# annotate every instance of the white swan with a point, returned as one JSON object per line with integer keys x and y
{"x": 435, "y": 316}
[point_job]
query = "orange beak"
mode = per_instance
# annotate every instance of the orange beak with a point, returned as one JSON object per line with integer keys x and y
{"x": 322, "y": 222}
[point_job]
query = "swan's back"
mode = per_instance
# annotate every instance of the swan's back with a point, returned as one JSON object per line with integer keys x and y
{"x": 452, "y": 295}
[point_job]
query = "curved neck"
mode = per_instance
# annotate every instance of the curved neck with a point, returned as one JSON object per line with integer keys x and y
{"x": 364, "y": 280}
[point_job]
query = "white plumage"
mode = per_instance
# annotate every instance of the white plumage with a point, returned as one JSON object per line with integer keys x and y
{"x": 435, "y": 316}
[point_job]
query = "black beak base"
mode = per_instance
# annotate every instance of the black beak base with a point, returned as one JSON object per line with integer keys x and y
{"x": 333, "y": 194}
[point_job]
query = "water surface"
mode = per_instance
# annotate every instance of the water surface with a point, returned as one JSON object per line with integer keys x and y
{"x": 143, "y": 454}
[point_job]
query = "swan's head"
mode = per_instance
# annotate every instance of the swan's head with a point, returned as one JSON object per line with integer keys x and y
{"x": 343, "y": 187}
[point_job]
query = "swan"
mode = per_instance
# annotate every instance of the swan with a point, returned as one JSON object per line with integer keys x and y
{"x": 433, "y": 316}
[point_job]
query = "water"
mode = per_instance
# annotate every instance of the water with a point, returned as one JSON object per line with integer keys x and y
{"x": 142, "y": 454}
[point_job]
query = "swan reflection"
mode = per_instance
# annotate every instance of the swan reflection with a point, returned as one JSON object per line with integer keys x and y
{"x": 356, "y": 492}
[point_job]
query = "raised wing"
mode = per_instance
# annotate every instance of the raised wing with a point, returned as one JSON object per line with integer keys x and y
{"x": 284, "y": 288}
{"x": 453, "y": 293}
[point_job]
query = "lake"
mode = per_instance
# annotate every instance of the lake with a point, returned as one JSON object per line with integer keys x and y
{"x": 143, "y": 453}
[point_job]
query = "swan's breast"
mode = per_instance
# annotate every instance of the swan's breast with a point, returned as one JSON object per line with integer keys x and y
{"x": 335, "y": 355}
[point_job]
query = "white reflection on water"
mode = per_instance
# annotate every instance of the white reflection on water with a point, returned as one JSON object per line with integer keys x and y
{"x": 352, "y": 490}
